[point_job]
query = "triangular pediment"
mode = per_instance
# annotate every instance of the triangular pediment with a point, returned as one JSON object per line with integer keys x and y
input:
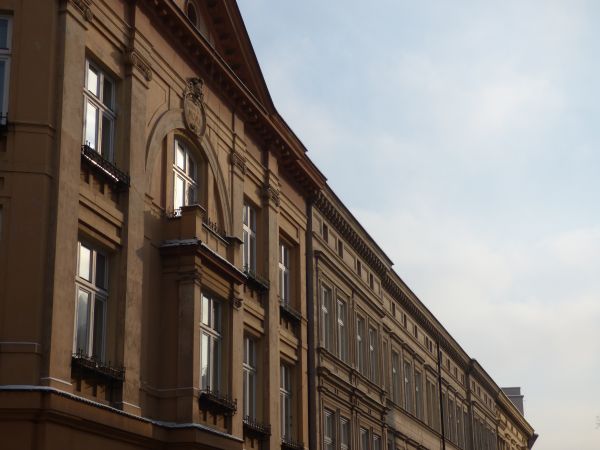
{"x": 221, "y": 23}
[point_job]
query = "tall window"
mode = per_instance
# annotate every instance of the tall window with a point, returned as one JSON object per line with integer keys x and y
{"x": 408, "y": 390}
{"x": 249, "y": 367}
{"x": 451, "y": 422}
{"x": 459, "y": 426}
{"x": 285, "y": 394}
{"x": 210, "y": 345}
{"x": 344, "y": 434}
{"x": 328, "y": 430}
{"x": 396, "y": 377}
{"x": 327, "y": 315}
{"x": 373, "y": 354}
{"x": 342, "y": 332}
{"x": 364, "y": 439}
{"x": 92, "y": 294}
{"x": 360, "y": 345}
{"x": 418, "y": 395}
{"x": 249, "y": 238}
{"x": 376, "y": 442}
{"x": 185, "y": 177}
{"x": 99, "y": 116}
{"x": 284, "y": 273}
{"x": 5, "y": 54}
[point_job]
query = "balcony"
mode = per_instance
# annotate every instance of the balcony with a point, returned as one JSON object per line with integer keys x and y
{"x": 289, "y": 444}
{"x": 253, "y": 426}
{"x": 217, "y": 402}
{"x": 87, "y": 367}
{"x": 104, "y": 168}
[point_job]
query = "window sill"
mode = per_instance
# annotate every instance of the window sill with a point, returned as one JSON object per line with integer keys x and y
{"x": 256, "y": 281}
{"x": 255, "y": 427}
{"x": 218, "y": 402}
{"x": 89, "y": 367}
{"x": 288, "y": 311}
{"x": 104, "y": 167}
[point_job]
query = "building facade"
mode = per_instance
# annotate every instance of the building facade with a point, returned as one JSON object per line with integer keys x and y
{"x": 175, "y": 271}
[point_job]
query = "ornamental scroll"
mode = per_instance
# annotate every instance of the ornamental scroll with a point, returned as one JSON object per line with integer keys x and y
{"x": 193, "y": 106}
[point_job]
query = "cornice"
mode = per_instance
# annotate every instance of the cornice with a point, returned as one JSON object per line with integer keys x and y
{"x": 265, "y": 124}
{"x": 346, "y": 229}
{"x": 504, "y": 403}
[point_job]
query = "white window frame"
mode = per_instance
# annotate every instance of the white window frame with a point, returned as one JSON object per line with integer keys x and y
{"x": 105, "y": 108}
{"x": 5, "y": 55}
{"x": 97, "y": 294}
{"x": 408, "y": 393}
{"x": 418, "y": 394}
{"x": 284, "y": 273}
{"x": 396, "y": 387}
{"x": 345, "y": 433}
{"x": 328, "y": 430}
{"x": 327, "y": 317}
{"x": 185, "y": 170}
{"x": 285, "y": 396}
{"x": 249, "y": 238}
{"x": 249, "y": 368}
{"x": 211, "y": 319}
{"x": 342, "y": 328}
{"x": 361, "y": 344}
{"x": 373, "y": 355}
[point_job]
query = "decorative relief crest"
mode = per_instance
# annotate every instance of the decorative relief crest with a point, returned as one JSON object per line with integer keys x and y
{"x": 133, "y": 58}
{"x": 193, "y": 106}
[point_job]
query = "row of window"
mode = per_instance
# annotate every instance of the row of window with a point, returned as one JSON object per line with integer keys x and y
{"x": 337, "y": 434}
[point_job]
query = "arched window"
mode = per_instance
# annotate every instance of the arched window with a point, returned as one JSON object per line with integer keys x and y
{"x": 192, "y": 13}
{"x": 185, "y": 176}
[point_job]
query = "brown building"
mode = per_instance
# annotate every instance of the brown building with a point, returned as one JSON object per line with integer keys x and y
{"x": 175, "y": 271}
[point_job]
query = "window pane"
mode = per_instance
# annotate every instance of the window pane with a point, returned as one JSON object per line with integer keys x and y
{"x": 83, "y": 300}
{"x": 215, "y": 362}
{"x": 2, "y": 81}
{"x": 85, "y": 263}
{"x": 92, "y": 80}
{"x": 216, "y": 316}
{"x": 179, "y": 156}
{"x": 205, "y": 310}
{"x": 179, "y": 194}
{"x": 101, "y": 271}
{"x": 204, "y": 358}
{"x": 99, "y": 321}
{"x": 91, "y": 125}
{"x": 107, "y": 133}
{"x": 4, "y": 33}
{"x": 107, "y": 93}
{"x": 191, "y": 167}
{"x": 191, "y": 195}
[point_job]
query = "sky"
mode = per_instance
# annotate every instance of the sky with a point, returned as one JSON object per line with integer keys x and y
{"x": 465, "y": 137}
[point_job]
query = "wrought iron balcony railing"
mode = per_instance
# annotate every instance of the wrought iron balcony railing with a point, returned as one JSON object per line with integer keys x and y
{"x": 253, "y": 425}
{"x": 290, "y": 444}
{"x": 93, "y": 367}
{"x": 218, "y": 402}
{"x": 104, "y": 167}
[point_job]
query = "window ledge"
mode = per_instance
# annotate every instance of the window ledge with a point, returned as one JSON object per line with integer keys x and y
{"x": 89, "y": 366}
{"x": 289, "y": 444}
{"x": 256, "y": 427}
{"x": 218, "y": 402}
{"x": 291, "y": 313}
{"x": 256, "y": 281}
{"x": 104, "y": 167}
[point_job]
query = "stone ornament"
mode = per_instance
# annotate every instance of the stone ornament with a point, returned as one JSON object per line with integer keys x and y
{"x": 134, "y": 59}
{"x": 193, "y": 106}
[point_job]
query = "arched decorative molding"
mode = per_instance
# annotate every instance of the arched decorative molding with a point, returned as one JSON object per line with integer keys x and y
{"x": 171, "y": 120}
